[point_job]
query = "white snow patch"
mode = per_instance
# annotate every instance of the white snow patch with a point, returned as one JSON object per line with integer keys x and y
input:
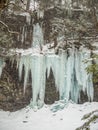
{"x": 44, "y": 119}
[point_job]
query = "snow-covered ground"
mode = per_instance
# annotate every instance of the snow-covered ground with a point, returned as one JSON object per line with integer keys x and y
{"x": 44, "y": 119}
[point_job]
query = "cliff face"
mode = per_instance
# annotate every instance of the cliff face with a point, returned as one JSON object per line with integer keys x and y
{"x": 19, "y": 23}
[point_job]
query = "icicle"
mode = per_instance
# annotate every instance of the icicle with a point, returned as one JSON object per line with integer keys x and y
{"x": 62, "y": 74}
{"x": 48, "y": 64}
{"x": 20, "y": 67}
{"x": 87, "y": 77}
{"x": 83, "y": 70}
{"x": 24, "y": 62}
{"x": 38, "y": 80}
{"x": 35, "y": 64}
{"x": 27, "y": 69}
{"x": 42, "y": 82}
{"x": 37, "y": 36}
{"x": 22, "y": 35}
{"x": 2, "y": 64}
{"x": 77, "y": 66}
{"x": 55, "y": 68}
{"x": 69, "y": 72}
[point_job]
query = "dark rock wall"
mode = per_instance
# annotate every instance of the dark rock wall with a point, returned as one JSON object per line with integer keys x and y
{"x": 19, "y": 24}
{"x": 12, "y": 96}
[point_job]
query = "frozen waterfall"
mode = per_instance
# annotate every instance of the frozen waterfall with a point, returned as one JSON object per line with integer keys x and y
{"x": 69, "y": 73}
{"x": 68, "y": 67}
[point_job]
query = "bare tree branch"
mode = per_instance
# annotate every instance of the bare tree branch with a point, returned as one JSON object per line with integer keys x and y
{"x": 12, "y": 32}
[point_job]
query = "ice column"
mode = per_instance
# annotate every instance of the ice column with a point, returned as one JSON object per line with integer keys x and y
{"x": 86, "y": 77}
{"x": 35, "y": 64}
{"x": 38, "y": 70}
{"x": 38, "y": 40}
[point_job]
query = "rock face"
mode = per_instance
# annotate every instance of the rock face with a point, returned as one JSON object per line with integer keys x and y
{"x": 11, "y": 90}
{"x": 51, "y": 94}
{"x": 22, "y": 24}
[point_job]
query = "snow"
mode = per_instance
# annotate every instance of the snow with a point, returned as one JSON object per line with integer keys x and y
{"x": 94, "y": 125}
{"x": 67, "y": 119}
{"x": 33, "y": 5}
{"x": 40, "y": 13}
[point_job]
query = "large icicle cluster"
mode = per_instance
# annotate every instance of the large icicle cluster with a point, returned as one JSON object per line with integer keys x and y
{"x": 68, "y": 67}
{"x": 69, "y": 72}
